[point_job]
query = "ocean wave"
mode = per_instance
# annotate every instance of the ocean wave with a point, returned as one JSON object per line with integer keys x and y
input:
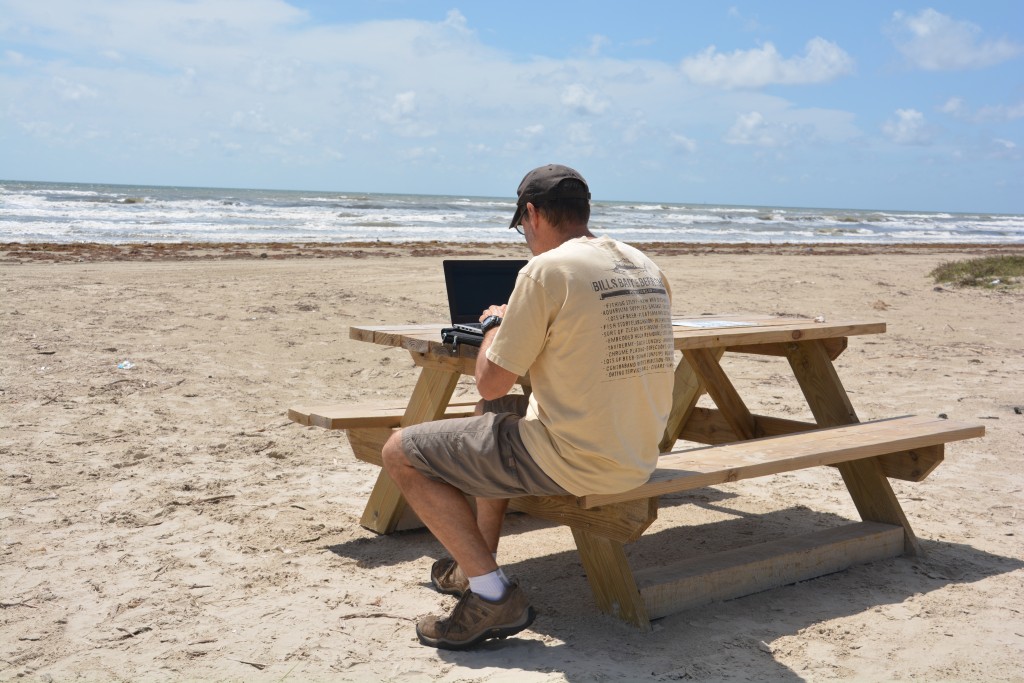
{"x": 72, "y": 213}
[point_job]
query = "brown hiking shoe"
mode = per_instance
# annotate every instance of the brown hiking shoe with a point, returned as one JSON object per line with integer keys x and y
{"x": 474, "y": 620}
{"x": 448, "y": 578}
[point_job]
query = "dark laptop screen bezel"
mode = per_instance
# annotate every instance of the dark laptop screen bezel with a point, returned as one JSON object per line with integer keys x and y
{"x": 475, "y": 284}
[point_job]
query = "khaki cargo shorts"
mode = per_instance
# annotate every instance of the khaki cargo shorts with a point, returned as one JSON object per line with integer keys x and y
{"x": 482, "y": 456}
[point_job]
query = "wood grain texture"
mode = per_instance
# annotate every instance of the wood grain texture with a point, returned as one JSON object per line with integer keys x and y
{"x": 733, "y": 573}
{"x": 696, "y": 468}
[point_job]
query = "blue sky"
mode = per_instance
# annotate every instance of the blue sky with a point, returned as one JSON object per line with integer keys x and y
{"x": 886, "y": 105}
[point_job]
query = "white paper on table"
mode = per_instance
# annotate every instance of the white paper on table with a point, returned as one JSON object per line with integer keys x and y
{"x": 711, "y": 324}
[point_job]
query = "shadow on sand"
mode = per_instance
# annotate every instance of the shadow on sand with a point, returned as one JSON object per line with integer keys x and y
{"x": 711, "y": 642}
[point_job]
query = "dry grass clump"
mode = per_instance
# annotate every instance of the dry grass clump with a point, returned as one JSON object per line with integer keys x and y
{"x": 986, "y": 271}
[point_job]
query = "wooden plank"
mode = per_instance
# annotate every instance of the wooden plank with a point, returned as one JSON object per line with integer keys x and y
{"x": 707, "y": 425}
{"x": 624, "y": 522}
{"x": 830, "y": 405}
{"x": 463, "y": 365}
{"x": 381, "y": 414}
{"x": 672, "y": 588}
{"x": 390, "y": 335}
{"x": 743, "y": 336}
{"x": 722, "y": 392}
{"x": 912, "y": 465}
{"x": 686, "y": 391}
{"x": 834, "y": 347}
{"x": 368, "y": 442}
{"x": 386, "y": 505}
{"x": 808, "y": 448}
{"x": 820, "y": 384}
{"x": 762, "y": 330}
{"x": 696, "y": 468}
{"x": 611, "y": 579}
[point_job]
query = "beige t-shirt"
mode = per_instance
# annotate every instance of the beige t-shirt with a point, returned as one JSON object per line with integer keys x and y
{"x": 591, "y": 320}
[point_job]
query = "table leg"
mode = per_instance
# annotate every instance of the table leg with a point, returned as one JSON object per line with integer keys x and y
{"x": 430, "y": 397}
{"x": 831, "y": 407}
{"x": 611, "y": 579}
{"x": 720, "y": 388}
{"x": 686, "y": 391}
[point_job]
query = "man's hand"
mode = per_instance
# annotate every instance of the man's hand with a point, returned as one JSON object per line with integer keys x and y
{"x": 492, "y": 380}
{"x": 494, "y": 309}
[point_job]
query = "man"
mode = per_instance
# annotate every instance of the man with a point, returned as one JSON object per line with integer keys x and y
{"x": 590, "y": 319}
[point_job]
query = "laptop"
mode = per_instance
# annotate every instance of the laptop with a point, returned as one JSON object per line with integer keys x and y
{"x": 472, "y": 286}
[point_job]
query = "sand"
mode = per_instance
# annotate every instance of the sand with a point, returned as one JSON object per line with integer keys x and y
{"x": 167, "y": 522}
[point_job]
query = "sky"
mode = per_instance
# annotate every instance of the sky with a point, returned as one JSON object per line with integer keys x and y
{"x": 866, "y": 105}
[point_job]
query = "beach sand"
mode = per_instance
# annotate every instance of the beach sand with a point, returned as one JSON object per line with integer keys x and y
{"x": 167, "y": 521}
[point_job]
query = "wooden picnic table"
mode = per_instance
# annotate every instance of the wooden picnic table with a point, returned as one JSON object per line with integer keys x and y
{"x": 810, "y": 346}
{"x": 904, "y": 448}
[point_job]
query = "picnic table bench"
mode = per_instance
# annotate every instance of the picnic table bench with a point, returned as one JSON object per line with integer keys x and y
{"x": 741, "y": 446}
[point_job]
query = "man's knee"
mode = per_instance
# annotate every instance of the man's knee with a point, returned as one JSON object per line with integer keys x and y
{"x": 393, "y": 455}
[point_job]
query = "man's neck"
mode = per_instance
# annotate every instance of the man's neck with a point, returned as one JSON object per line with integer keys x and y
{"x": 576, "y": 232}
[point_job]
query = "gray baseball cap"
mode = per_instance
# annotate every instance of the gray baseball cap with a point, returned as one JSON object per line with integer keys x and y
{"x": 545, "y": 184}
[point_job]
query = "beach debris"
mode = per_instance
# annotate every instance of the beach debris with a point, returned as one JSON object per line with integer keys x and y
{"x": 880, "y": 305}
{"x": 819, "y": 318}
{"x": 1019, "y": 410}
{"x": 131, "y": 633}
{"x": 125, "y": 365}
{"x": 255, "y": 665}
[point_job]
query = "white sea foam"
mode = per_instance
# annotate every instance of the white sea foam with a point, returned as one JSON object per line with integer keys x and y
{"x": 36, "y": 212}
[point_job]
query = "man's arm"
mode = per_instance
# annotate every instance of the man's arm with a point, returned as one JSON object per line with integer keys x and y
{"x": 492, "y": 380}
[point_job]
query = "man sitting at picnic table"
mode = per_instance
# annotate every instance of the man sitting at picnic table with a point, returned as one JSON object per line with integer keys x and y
{"x": 590, "y": 319}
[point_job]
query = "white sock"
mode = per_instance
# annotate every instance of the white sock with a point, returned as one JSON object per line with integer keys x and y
{"x": 490, "y": 587}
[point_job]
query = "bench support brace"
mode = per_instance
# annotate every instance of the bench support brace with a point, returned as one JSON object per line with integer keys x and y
{"x": 611, "y": 579}
{"x": 430, "y": 397}
{"x": 831, "y": 407}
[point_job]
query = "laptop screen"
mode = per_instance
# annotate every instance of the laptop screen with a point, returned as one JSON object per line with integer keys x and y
{"x": 473, "y": 285}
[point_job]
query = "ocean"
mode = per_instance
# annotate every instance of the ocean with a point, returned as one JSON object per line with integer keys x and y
{"x": 33, "y": 212}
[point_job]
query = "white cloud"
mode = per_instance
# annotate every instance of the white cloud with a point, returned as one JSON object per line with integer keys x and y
{"x": 822, "y": 61}
{"x": 998, "y": 113}
{"x": 682, "y": 143}
{"x": 580, "y": 133}
{"x": 73, "y": 91}
{"x": 415, "y": 154}
{"x": 753, "y": 129}
{"x": 15, "y": 58}
{"x": 457, "y": 21}
{"x": 404, "y": 116}
{"x": 935, "y": 42}
{"x": 253, "y": 121}
{"x": 1005, "y": 144}
{"x": 402, "y": 106}
{"x": 907, "y": 128}
{"x": 581, "y": 100}
{"x": 954, "y": 106}
{"x": 48, "y": 131}
{"x": 597, "y": 45}
{"x": 1001, "y": 112}
{"x": 748, "y": 23}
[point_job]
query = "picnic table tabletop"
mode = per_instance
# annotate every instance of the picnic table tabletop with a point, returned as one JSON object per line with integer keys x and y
{"x": 688, "y": 331}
